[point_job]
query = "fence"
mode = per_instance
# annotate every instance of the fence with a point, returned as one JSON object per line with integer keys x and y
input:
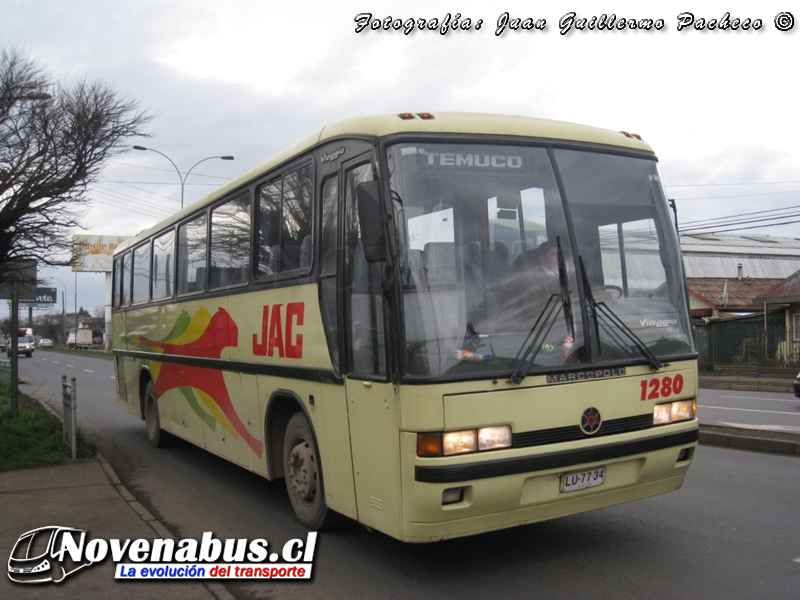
{"x": 748, "y": 348}
{"x": 5, "y": 371}
{"x": 69, "y": 399}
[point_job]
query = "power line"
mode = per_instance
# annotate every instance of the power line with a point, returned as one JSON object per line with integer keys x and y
{"x": 718, "y": 230}
{"x": 197, "y": 173}
{"x": 740, "y": 215}
{"x": 730, "y": 184}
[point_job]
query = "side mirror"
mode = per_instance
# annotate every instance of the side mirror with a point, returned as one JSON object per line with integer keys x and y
{"x": 375, "y": 222}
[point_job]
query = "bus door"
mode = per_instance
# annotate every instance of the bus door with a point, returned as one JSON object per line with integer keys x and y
{"x": 372, "y": 404}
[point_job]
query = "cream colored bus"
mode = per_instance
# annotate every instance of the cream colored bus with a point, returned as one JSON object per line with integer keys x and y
{"x": 434, "y": 324}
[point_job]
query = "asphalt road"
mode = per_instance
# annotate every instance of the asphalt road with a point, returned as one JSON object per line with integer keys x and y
{"x": 772, "y": 411}
{"x": 732, "y": 532}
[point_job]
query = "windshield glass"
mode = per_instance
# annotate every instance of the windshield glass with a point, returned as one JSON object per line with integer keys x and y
{"x": 489, "y": 274}
{"x": 628, "y": 243}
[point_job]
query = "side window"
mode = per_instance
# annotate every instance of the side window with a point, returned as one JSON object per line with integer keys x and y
{"x": 329, "y": 295}
{"x": 362, "y": 280}
{"x": 163, "y": 255}
{"x": 127, "y": 264}
{"x": 269, "y": 222}
{"x": 296, "y": 240}
{"x": 285, "y": 224}
{"x": 141, "y": 273}
{"x": 230, "y": 243}
{"x": 117, "y": 300}
{"x": 192, "y": 247}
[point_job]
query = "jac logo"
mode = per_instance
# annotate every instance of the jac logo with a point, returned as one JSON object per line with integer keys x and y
{"x": 279, "y": 331}
{"x": 42, "y": 555}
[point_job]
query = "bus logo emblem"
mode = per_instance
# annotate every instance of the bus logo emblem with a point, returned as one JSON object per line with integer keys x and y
{"x": 590, "y": 421}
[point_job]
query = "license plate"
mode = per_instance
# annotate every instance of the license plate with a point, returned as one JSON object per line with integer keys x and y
{"x": 571, "y": 482}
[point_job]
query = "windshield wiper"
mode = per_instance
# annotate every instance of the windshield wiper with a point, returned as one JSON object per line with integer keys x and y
{"x": 531, "y": 345}
{"x": 555, "y": 304}
{"x": 601, "y": 308}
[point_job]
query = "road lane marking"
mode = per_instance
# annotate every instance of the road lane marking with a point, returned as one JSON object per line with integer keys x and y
{"x": 88, "y": 371}
{"x": 786, "y": 428}
{"x": 765, "y": 398}
{"x": 768, "y": 412}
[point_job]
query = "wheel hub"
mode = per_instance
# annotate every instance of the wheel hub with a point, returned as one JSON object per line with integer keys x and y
{"x": 302, "y": 472}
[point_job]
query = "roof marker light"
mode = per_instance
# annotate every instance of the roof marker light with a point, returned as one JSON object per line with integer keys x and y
{"x": 425, "y": 116}
{"x": 406, "y": 116}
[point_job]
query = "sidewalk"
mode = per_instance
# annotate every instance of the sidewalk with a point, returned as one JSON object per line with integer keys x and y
{"x": 85, "y": 495}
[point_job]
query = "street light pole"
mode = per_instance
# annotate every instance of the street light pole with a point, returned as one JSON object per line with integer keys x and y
{"x": 63, "y": 311}
{"x": 181, "y": 176}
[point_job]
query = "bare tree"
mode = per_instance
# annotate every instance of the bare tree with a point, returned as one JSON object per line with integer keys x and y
{"x": 54, "y": 140}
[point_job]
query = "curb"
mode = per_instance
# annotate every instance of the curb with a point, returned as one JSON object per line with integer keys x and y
{"x": 748, "y": 439}
{"x": 216, "y": 589}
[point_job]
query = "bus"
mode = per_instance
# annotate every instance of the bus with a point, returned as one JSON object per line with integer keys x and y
{"x": 435, "y": 325}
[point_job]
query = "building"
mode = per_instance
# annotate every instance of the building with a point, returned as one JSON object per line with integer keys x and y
{"x": 725, "y": 273}
{"x": 738, "y": 289}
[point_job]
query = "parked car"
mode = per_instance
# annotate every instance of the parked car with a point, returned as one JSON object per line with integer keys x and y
{"x": 97, "y": 340}
{"x": 796, "y": 385}
{"x": 3, "y": 344}
{"x": 45, "y": 343}
{"x": 25, "y": 345}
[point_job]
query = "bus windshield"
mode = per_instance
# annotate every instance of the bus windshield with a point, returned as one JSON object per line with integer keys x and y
{"x": 523, "y": 259}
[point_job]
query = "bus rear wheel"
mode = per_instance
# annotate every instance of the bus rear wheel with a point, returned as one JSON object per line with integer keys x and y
{"x": 155, "y": 435}
{"x": 303, "y": 475}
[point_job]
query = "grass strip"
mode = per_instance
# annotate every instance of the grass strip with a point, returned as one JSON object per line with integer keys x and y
{"x": 35, "y": 438}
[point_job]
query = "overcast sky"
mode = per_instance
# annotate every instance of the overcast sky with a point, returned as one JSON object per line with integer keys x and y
{"x": 250, "y": 77}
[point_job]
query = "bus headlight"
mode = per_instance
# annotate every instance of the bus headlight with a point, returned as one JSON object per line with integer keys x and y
{"x": 463, "y": 441}
{"x": 491, "y": 438}
{"x": 672, "y": 412}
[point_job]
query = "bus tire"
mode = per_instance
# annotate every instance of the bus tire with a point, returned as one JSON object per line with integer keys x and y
{"x": 303, "y": 475}
{"x": 155, "y": 435}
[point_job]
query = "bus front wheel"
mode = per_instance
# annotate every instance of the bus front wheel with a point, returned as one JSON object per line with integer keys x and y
{"x": 304, "y": 476}
{"x": 155, "y": 435}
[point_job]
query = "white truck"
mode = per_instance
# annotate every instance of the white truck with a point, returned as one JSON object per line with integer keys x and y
{"x": 79, "y": 338}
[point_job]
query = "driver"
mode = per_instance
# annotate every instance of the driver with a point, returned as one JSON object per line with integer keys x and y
{"x": 529, "y": 283}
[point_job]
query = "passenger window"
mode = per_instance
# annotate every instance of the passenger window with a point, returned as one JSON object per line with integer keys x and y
{"x": 192, "y": 247}
{"x": 118, "y": 282}
{"x": 230, "y": 243}
{"x": 127, "y": 264}
{"x": 141, "y": 274}
{"x": 285, "y": 222}
{"x": 163, "y": 269}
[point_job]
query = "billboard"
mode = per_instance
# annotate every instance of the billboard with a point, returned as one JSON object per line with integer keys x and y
{"x": 92, "y": 253}
{"x": 21, "y": 272}
{"x": 42, "y": 296}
